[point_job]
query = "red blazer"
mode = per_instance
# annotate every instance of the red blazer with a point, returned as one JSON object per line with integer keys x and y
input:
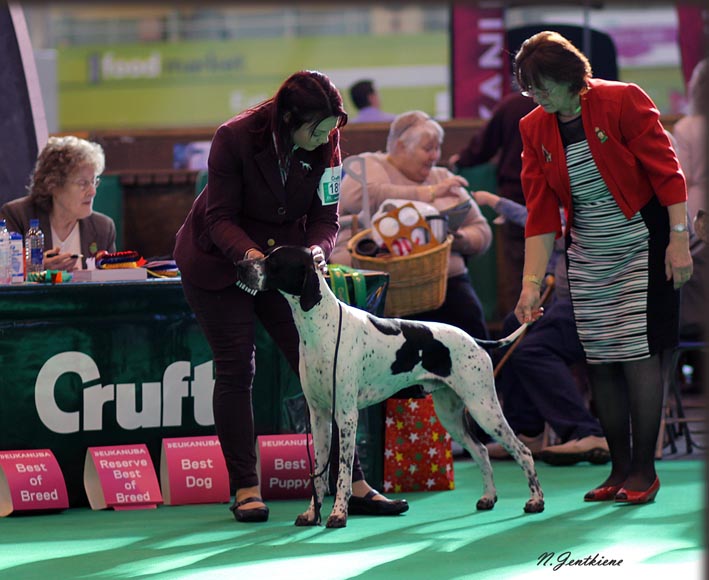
{"x": 245, "y": 204}
{"x": 629, "y": 146}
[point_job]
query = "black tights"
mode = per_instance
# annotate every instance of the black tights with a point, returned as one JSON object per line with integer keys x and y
{"x": 628, "y": 398}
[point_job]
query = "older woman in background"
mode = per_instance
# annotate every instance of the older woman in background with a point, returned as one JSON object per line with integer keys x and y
{"x": 62, "y": 191}
{"x": 408, "y": 171}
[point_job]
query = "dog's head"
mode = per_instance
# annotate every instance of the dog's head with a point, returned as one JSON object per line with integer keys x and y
{"x": 289, "y": 269}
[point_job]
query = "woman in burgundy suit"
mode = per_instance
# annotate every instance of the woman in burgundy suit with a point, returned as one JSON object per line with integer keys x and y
{"x": 598, "y": 149}
{"x": 274, "y": 176}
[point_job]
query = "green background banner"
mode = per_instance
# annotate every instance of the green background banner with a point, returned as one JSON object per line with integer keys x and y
{"x": 204, "y": 83}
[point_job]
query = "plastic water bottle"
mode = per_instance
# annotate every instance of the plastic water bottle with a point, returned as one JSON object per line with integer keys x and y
{"x": 34, "y": 248}
{"x": 17, "y": 258}
{"x": 4, "y": 253}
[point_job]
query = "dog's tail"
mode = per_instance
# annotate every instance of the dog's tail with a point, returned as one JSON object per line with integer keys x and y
{"x": 492, "y": 344}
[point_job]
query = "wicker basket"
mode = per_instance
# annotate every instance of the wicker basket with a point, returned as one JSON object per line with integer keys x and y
{"x": 417, "y": 282}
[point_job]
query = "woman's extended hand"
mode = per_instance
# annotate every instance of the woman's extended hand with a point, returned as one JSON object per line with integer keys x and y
{"x": 528, "y": 307}
{"x": 678, "y": 259}
{"x": 451, "y": 186}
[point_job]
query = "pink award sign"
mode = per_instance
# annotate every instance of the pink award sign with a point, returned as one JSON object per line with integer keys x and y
{"x": 284, "y": 467}
{"x": 193, "y": 470}
{"x": 121, "y": 477}
{"x": 31, "y": 480}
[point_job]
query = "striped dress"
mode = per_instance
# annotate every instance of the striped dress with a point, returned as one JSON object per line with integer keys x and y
{"x": 614, "y": 266}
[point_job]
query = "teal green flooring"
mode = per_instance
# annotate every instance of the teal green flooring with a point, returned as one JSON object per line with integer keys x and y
{"x": 441, "y": 537}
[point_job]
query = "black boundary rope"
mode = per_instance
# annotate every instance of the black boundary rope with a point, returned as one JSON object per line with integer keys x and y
{"x": 317, "y": 505}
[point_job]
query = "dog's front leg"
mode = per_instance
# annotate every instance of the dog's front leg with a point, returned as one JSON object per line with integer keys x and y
{"x": 348, "y": 431}
{"x": 321, "y": 430}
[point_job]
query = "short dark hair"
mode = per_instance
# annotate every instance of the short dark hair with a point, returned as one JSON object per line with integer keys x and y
{"x": 550, "y": 55}
{"x": 360, "y": 91}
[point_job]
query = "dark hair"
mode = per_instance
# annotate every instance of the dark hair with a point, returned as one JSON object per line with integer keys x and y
{"x": 360, "y": 92}
{"x": 305, "y": 97}
{"x": 550, "y": 55}
{"x": 59, "y": 158}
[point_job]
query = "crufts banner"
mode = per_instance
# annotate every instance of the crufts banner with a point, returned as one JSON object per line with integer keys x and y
{"x": 481, "y": 72}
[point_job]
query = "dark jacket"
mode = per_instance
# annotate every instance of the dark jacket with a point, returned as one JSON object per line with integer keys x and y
{"x": 245, "y": 205}
{"x": 501, "y": 136}
{"x": 97, "y": 232}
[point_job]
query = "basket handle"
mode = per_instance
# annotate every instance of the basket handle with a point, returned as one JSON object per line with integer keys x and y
{"x": 354, "y": 167}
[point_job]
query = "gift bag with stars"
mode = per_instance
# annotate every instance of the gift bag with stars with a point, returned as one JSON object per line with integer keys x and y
{"x": 417, "y": 449}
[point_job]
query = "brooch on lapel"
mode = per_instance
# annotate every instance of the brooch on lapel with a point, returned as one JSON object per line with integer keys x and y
{"x": 602, "y": 137}
{"x": 547, "y": 155}
{"x": 306, "y": 166}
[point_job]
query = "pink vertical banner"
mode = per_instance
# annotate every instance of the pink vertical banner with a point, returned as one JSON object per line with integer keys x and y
{"x": 480, "y": 64}
{"x": 193, "y": 470}
{"x": 31, "y": 480}
{"x": 692, "y": 21}
{"x": 121, "y": 477}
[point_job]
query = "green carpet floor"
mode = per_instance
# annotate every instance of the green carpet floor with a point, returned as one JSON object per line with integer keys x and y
{"x": 441, "y": 537}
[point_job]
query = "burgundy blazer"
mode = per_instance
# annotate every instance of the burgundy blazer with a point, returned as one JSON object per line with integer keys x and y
{"x": 628, "y": 144}
{"x": 245, "y": 204}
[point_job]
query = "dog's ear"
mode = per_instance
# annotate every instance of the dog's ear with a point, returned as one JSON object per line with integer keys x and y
{"x": 310, "y": 294}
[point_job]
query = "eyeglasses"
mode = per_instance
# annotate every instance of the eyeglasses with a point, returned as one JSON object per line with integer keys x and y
{"x": 543, "y": 93}
{"x": 85, "y": 184}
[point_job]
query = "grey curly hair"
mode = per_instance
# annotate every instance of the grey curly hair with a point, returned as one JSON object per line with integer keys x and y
{"x": 59, "y": 158}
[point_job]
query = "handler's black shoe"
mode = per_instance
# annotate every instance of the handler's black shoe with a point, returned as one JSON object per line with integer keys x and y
{"x": 259, "y": 514}
{"x": 368, "y": 506}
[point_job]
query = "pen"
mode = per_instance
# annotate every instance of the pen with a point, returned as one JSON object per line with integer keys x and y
{"x": 55, "y": 254}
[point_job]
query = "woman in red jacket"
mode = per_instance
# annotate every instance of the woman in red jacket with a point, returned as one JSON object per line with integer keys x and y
{"x": 598, "y": 149}
{"x": 274, "y": 175}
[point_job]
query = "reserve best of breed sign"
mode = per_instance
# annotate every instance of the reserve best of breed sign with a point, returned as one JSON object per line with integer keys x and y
{"x": 121, "y": 477}
{"x": 31, "y": 480}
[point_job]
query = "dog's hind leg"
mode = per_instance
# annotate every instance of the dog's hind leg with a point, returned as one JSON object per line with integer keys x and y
{"x": 449, "y": 409}
{"x": 347, "y": 423}
{"x": 321, "y": 430}
{"x": 493, "y": 422}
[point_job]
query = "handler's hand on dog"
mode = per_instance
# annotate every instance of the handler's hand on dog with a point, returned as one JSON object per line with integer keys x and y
{"x": 319, "y": 258}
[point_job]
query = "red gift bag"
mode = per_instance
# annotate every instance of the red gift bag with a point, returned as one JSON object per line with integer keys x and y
{"x": 417, "y": 449}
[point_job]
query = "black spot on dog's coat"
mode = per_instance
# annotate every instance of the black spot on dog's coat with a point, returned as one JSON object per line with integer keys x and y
{"x": 420, "y": 346}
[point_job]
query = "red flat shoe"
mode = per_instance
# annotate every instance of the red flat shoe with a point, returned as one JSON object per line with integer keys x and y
{"x": 603, "y": 493}
{"x": 636, "y": 497}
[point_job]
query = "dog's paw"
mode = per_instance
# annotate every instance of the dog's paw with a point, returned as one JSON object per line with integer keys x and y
{"x": 304, "y": 520}
{"x": 485, "y": 503}
{"x": 534, "y": 506}
{"x": 336, "y": 522}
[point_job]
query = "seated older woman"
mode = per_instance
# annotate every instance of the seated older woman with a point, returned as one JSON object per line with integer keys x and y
{"x": 408, "y": 171}
{"x": 62, "y": 191}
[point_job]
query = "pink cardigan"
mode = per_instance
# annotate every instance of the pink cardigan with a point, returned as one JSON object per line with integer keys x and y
{"x": 628, "y": 144}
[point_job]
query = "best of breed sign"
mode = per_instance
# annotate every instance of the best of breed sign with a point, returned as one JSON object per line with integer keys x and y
{"x": 121, "y": 477}
{"x": 31, "y": 480}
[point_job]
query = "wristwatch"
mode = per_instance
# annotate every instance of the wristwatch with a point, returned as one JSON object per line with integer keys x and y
{"x": 679, "y": 228}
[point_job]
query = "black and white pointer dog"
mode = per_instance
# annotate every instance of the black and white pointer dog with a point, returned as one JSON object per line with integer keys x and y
{"x": 375, "y": 358}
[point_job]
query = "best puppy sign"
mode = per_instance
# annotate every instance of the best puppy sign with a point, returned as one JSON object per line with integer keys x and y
{"x": 193, "y": 470}
{"x": 121, "y": 477}
{"x": 31, "y": 480}
{"x": 284, "y": 466}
